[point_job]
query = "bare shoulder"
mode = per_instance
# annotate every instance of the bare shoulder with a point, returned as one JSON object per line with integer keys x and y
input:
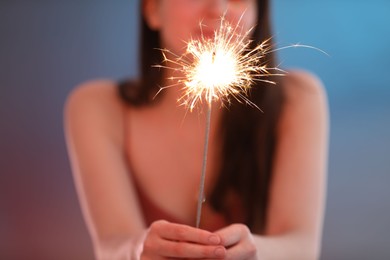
{"x": 94, "y": 105}
{"x": 99, "y": 93}
{"x": 305, "y": 110}
{"x": 305, "y": 96}
{"x": 300, "y": 84}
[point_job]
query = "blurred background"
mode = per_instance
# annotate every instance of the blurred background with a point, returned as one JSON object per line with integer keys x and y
{"x": 47, "y": 47}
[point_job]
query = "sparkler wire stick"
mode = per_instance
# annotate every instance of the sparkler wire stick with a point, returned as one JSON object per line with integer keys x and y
{"x": 203, "y": 175}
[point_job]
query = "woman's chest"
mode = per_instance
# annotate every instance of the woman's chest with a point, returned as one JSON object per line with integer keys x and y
{"x": 166, "y": 163}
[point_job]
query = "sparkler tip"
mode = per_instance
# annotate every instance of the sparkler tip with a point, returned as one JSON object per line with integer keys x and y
{"x": 219, "y": 68}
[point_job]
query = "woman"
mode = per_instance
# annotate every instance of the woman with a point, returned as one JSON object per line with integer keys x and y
{"x": 137, "y": 160}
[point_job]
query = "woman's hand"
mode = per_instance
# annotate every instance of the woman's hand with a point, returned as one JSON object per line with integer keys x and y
{"x": 238, "y": 241}
{"x": 165, "y": 240}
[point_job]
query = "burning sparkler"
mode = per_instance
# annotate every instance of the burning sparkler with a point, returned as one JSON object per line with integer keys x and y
{"x": 218, "y": 69}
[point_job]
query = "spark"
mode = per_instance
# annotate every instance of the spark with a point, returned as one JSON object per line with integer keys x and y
{"x": 220, "y": 68}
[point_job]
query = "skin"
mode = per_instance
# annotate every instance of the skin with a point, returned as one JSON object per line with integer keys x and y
{"x": 95, "y": 124}
{"x": 178, "y": 21}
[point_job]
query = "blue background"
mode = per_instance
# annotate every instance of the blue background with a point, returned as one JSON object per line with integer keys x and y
{"x": 48, "y": 47}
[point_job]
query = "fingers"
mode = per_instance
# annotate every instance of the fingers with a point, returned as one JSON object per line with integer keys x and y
{"x": 169, "y": 248}
{"x": 177, "y": 232}
{"x": 169, "y": 240}
{"x": 232, "y": 234}
{"x": 238, "y": 241}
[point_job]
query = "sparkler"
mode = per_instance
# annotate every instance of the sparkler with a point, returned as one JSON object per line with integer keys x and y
{"x": 219, "y": 69}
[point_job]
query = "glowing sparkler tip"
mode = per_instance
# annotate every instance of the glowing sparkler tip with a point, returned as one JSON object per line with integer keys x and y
{"x": 216, "y": 68}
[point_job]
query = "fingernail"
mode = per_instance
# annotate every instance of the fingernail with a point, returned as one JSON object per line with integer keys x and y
{"x": 214, "y": 240}
{"x": 219, "y": 252}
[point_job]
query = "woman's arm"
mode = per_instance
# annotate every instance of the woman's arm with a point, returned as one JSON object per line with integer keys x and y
{"x": 298, "y": 189}
{"x": 297, "y": 192}
{"x": 94, "y": 135}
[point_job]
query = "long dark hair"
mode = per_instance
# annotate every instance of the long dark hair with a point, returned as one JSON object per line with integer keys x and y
{"x": 248, "y": 135}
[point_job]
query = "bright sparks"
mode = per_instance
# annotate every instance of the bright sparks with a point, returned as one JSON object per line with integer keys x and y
{"x": 219, "y": 68}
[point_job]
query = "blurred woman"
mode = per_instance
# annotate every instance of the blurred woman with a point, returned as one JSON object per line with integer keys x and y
{"x": 137, "y": 159}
